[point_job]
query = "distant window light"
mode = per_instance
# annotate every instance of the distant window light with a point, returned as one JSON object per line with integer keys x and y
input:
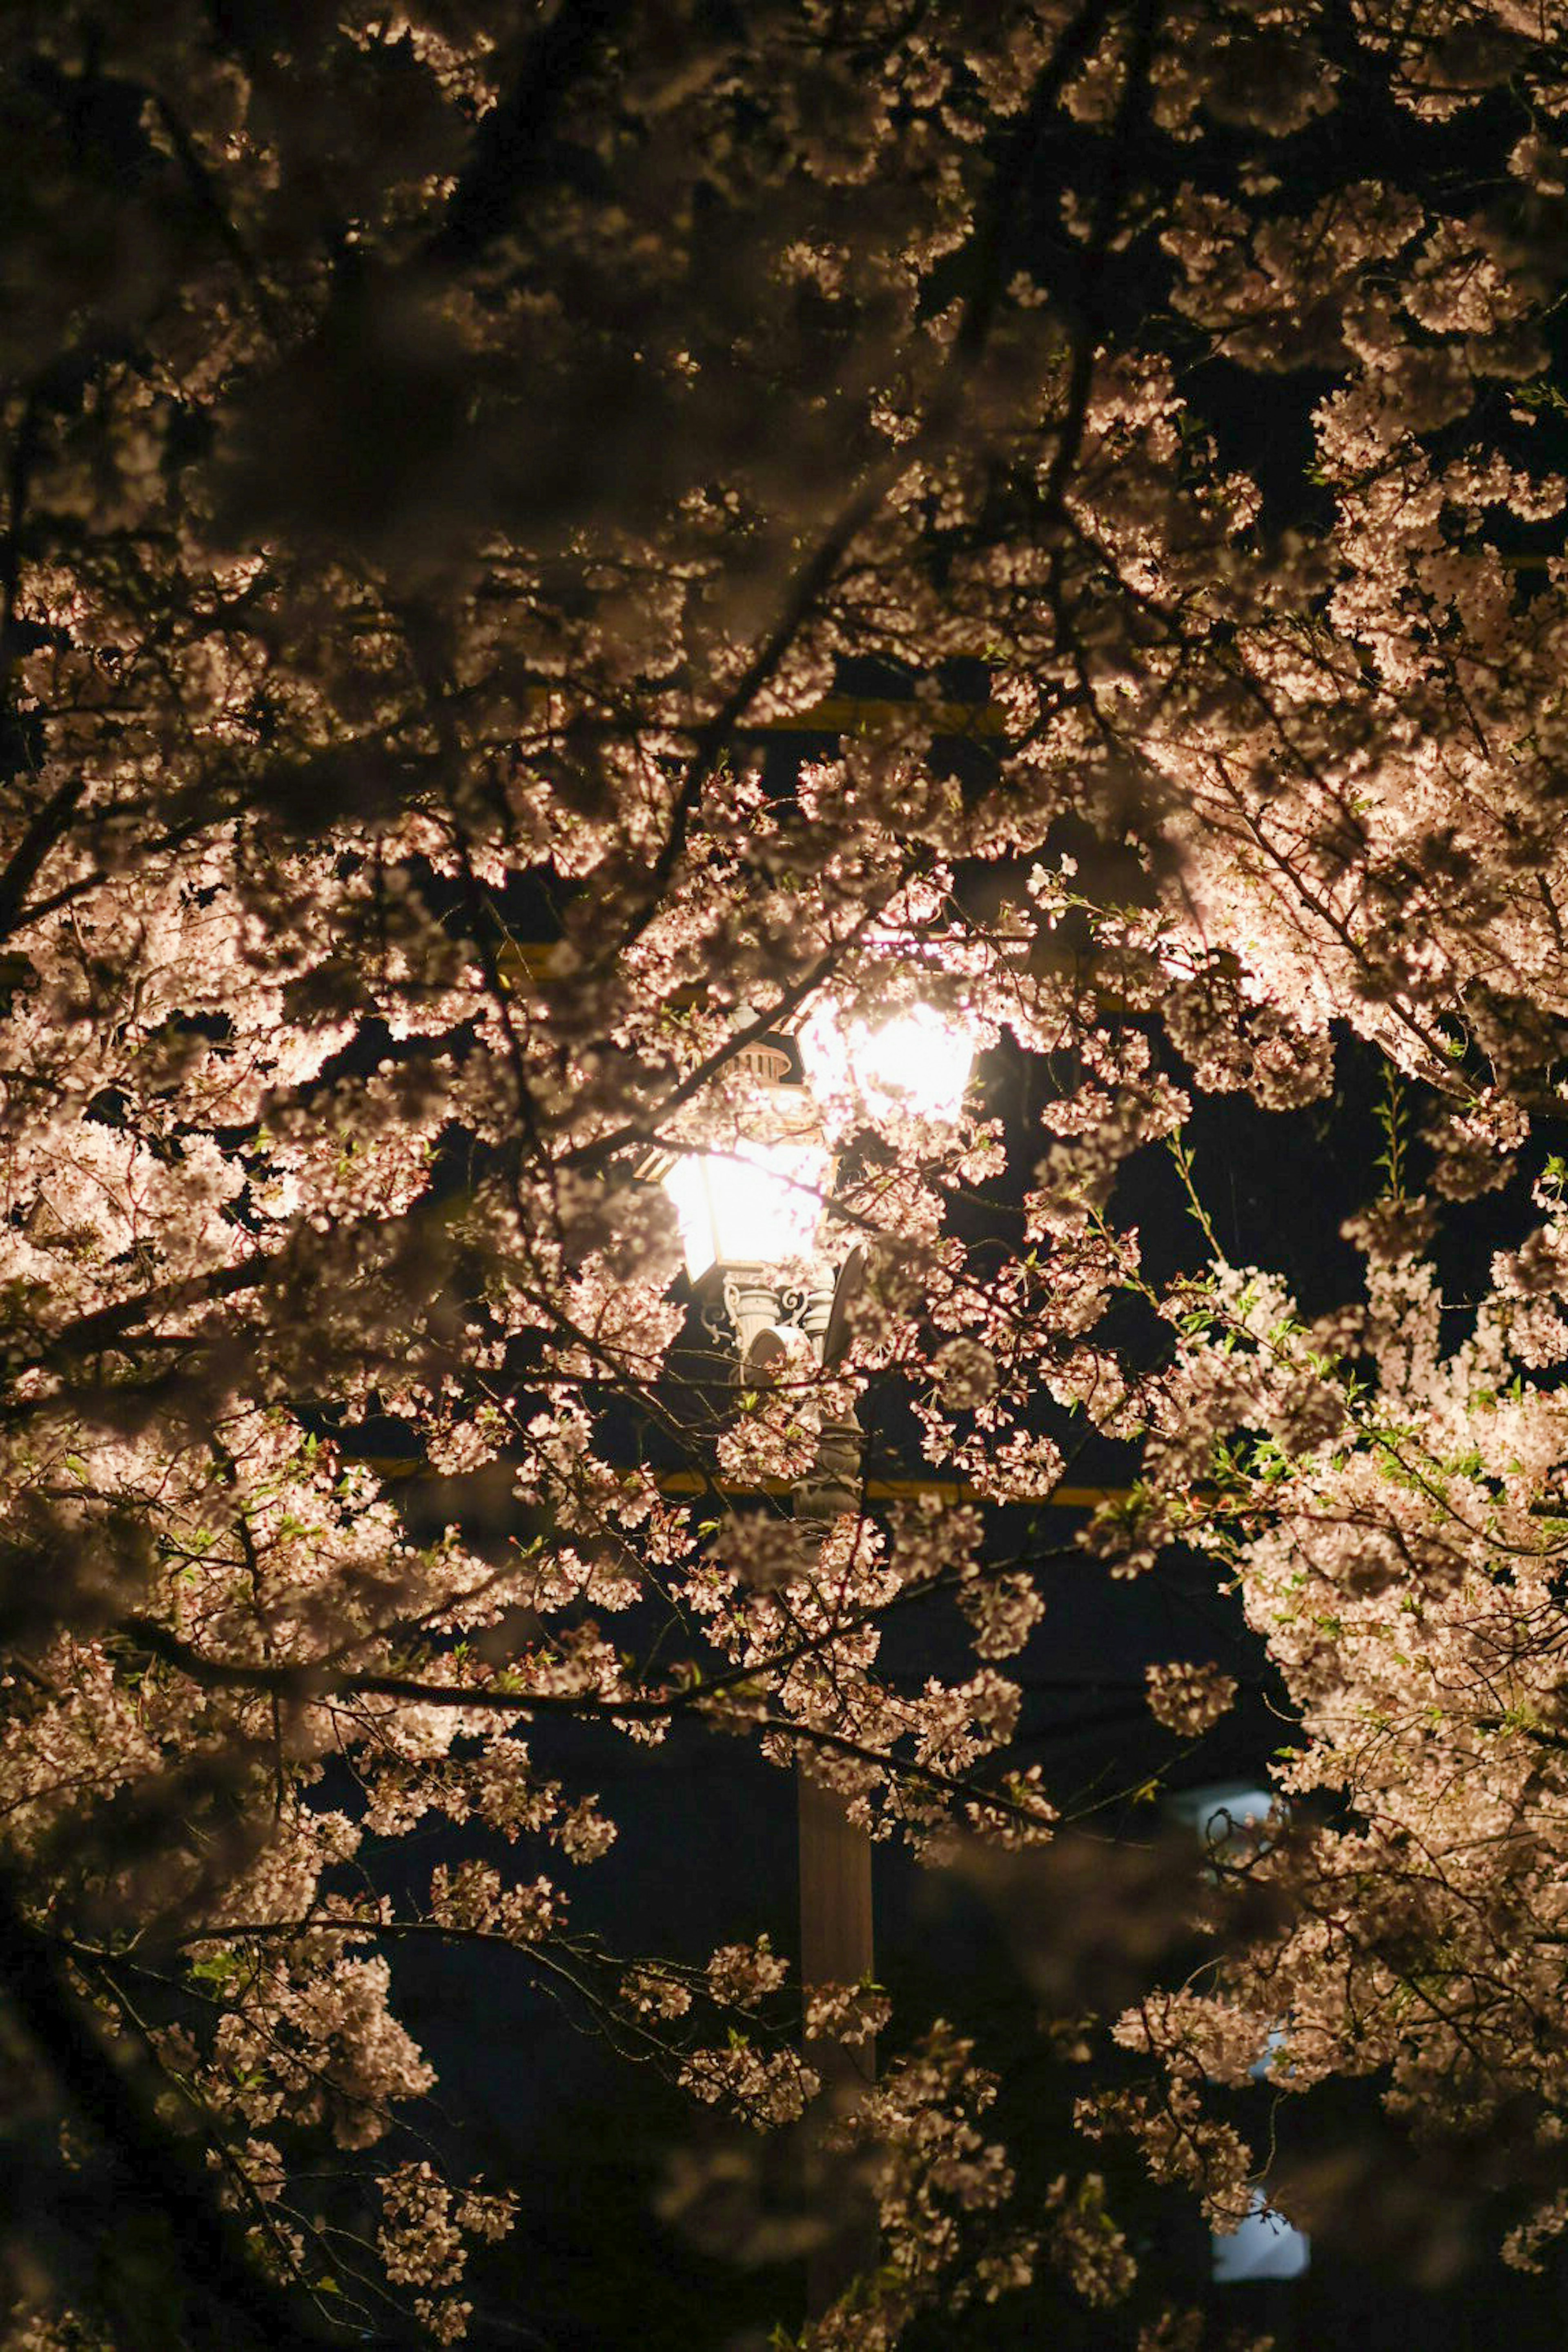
{"x": 1266, "y": 2246}
{"x": 1226, "y": 1817}
{"x": 1223, "y": 1811}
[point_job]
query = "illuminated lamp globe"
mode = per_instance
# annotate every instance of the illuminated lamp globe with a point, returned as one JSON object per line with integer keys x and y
{"x": 757, "y": 1205}
{"x": 917, "y": 1061}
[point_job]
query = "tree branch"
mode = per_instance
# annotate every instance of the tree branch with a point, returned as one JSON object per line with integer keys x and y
{"x": 228, "y": 2302}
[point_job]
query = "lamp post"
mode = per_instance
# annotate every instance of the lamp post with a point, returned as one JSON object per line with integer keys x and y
{"x": 745, "y": 1213}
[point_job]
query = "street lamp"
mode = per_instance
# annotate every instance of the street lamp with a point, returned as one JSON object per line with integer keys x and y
{"x": 757, "y": 1206}
{"x": 750, "y": 1213}
{"x": 752, "y": 1209}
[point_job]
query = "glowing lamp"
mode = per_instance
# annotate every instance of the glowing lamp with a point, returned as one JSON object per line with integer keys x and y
{"x": 757, "y": 1205}
{"x": 917, "y": 1061}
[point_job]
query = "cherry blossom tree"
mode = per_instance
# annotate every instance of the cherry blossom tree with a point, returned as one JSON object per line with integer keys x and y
{"x": 439, "y": 446}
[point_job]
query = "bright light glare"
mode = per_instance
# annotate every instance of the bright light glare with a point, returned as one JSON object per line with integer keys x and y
{"x": 919, "y": 1061}
{"x": 755, "y": 1206}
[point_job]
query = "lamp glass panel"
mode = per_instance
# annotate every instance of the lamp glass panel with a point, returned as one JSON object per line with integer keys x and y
{"x": 757, "y": 1205}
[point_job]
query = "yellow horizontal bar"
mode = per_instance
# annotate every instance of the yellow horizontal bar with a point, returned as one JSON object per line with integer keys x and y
{"x": 894, "y": 1490}
{"x": 526, "y": 959}
{"x": 878, "y": 1490}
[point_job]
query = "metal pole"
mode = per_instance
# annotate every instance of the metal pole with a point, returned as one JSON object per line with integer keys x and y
{"x": 835, "y": 1947}
{"x": 836, "y": 1944}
